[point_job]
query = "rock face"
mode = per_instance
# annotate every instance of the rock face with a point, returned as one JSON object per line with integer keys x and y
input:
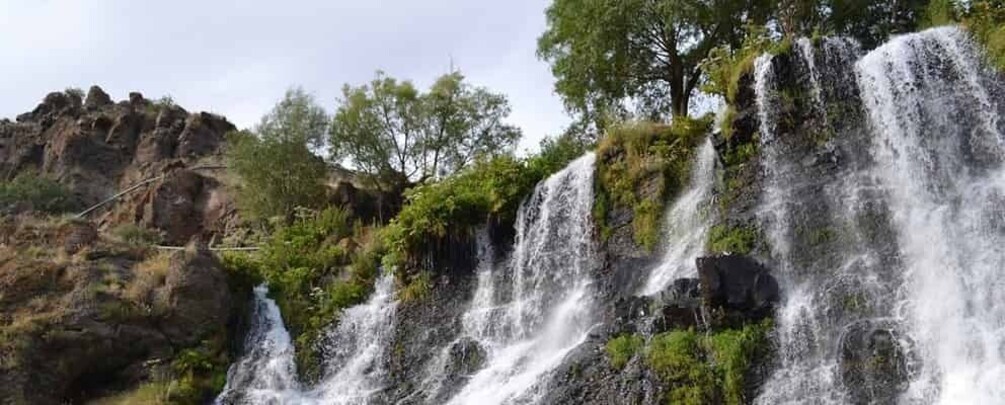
{"x": 82, "y": 317}
{"x": 738, "y": 286}
{"x": 98, "y": 148}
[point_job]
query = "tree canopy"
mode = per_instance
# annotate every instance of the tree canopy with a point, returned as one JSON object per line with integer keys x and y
{"x": 278, "y": 170}
{"x": 390, "y": 130}
{"x": 607, "y": 53}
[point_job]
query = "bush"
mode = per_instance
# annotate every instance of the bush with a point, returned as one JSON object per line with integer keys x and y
{"x": 725, "y": 66}
{"x": 490, "y": 189}
{"x": 726, "y": 239}
{"x": 623, "y": 348}
{"x": 32, "y": 191}
{"x": 277, "y": 175}
{"x": 136, "y": 236}
{"x": 642, "y": 164}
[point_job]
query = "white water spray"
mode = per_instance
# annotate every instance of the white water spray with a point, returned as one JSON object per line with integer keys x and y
{"x": 548, "y": 310}
{"x": 688, "y": 222}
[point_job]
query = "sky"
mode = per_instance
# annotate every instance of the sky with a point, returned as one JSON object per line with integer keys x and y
{"x": 237, "y": 58}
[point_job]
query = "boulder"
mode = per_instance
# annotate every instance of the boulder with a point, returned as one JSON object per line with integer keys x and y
{"x": 738, "y": 287}
{"x": 96, "y": 99}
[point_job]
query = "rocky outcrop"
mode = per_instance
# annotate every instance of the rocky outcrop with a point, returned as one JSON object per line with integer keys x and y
{"x": 82, "y": 317}
{"x": 737, "y": 288}
{"x": 98, "y": 148}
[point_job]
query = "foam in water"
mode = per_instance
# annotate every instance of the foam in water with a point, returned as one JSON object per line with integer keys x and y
{"x": 354, "y": 371}
{"x": 938, "y": 147}
{"x": 547, "y": 309}
{"x": 688, "y": 221}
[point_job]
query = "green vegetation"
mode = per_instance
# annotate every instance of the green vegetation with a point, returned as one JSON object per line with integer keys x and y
{"x": 639, "y": 166}
{"x": 32, "y": 191}
{"x": 135, "y": 236}
{"x": 725, "y": 64}
{"x": 315, "y": 267}
{"x": 604, "y": 52}
{"x": 707, "y": 368}
{"x": 489, "y": 189}
{"x": 277, "y": 169}
{"x": 623, "y": 348}
{"x": 723, "y": 238}
{"x": 200, "y": 372}
{"x": 985, "y": 19}
{"x": 395, "y": 134}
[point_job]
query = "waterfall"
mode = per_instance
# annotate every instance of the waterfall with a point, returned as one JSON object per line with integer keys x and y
{"x": 265, "y": 373}
{"x": 888, "y": 236}
{"x": 354, "y": 369}
{"x": 938, "y": 146}
{"x": 355, "y": 363}
{"x": 687, "y": 224}
{"x": 528, "y": 318}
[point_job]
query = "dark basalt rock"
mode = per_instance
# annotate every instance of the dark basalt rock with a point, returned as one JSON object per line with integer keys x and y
{"x": 737, "y": 287}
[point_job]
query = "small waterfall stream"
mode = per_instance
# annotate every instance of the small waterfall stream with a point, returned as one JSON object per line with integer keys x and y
{"x": 688, "y": 222}
{"x": 265, "y": 374}
{"x": 354, "y": 371}
{"x": 547, "y": 311}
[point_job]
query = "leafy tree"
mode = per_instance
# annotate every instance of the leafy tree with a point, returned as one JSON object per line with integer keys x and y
{"x": 275, "y": 162}
{"x": 605, "y": 53}
{"x": 396, "y": 134}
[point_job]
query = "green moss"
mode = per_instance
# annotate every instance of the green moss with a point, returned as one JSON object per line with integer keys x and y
{"x": 723, "y": 238}
{"x": 725, "y": 66}
{"x": 707, "y": 368}
{"x": 623, "y": 348}
{"x": 642, "y": 164}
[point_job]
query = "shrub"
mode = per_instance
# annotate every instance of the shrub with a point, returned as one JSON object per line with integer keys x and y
{"x": 640, "y": 165}
{"x": 623, "y": 348}
{"x": 136, "y": 236}
{"x": 727, "y": 239}
{"x": 35, "y": 192}
{"x": 489, "y": 189}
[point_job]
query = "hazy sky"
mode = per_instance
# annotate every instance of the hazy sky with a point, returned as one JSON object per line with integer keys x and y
{"x": 236, "y": 58}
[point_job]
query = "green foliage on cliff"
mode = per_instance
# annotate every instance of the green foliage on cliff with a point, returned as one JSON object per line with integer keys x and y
{"x": 736, "y": 239}
{"x": 315, "y": 267}
{"x": 623, "y": 348}
{"x": 36, "y": 192}
{"x": 490, "y": 189}
{"x": 726, "y": 64}
{"x": 639, "y": 166}
{"x": 700, "y": 368}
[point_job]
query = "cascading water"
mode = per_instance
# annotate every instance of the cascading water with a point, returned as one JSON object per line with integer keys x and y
{"x": 265, "y": 374}
{"x": 354, "y": 366}
{"x": 888, "y": 235}
{"x": 543, "y": 309}
{"x": 939, "y": 151}
{"x": 688, "y": 221}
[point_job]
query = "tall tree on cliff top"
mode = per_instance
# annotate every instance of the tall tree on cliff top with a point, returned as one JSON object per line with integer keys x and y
{"x": 278, "y": 171}
{"x": 391, "y": 131}
{"x": 609, "y": 53}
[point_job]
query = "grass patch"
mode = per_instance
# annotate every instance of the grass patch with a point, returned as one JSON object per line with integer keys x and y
{"x": 623, "y": 348}
{"x": 726, "y": 239}
{"x": 712, "y": 368}
{"x": 640, "y": 165}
